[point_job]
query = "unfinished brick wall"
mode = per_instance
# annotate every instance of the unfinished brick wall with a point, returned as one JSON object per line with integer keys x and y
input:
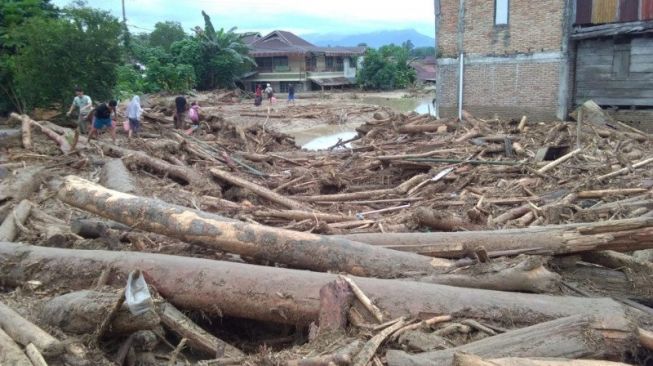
{"x": 495, "y": 81}
{"x": 534, "y": 26}
{"x": 506, "y": 89}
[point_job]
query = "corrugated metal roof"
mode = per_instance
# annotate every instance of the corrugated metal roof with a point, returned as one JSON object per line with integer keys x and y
{"x": 647, "y": 9}
{"x": 628, "y": 10}
{"x": 331, "y": 81}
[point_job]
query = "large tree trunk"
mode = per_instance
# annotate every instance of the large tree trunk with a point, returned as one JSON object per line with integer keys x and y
{"x": 296, "y": 249}
{"x": 114, "y": 175}
{"x": 78, "y": 313}
{"x": 11, "y": 137}
{"x": 462, "y": 359}
{"x": 10, "y": 352}
{"x": 21, "y": 185}
{"x": 141, "y": 159}
{"x": 25, "y": 332}
{"x": 9, "y": 227}
{"x": 577, "y": 336}
{"x": 619, "y": 235}
{"x": 253, "y": 292}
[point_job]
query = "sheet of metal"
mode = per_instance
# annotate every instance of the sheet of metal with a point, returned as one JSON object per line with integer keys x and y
{"x": 604, "y": 11}
{"x": 583, "y": 12}
{"x": 628, "y": 10}
{"x": 647, "y": 10}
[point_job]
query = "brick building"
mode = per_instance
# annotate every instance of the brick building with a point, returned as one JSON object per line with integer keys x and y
{"x": 540, "y": 58}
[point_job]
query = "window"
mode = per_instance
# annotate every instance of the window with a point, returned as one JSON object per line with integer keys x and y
{"x": 270, "y": 64}
{"x": 501, "y": 11}
{"x": 334, "y": 63}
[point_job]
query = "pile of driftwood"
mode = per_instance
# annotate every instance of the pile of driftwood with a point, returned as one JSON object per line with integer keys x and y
{"x": 419, "y": 242}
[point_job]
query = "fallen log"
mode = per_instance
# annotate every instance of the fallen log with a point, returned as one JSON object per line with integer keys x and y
{"x": 608, "y": 337}
{"x": 64, "y": 146}
{"x": 559, "y": 161}
{"x": 296, "y": 249}
{"x": 197, "y": 337}
{"x": 114, "y": 175}
{"x": 78, "y": 313}
{"x": 10, "y": 352}
{"x": 25, "y": 332}
{"x": 10, "y": 137}
{"x": 138, "y": 158}
{"x": 298, "y": 215}
{"x": 522, "y": 274}
{"x": 21, "y": 185}
{"x": 335, "y": 300}
{"x": 259, "y": 190}
{"x": 252, "y": 292}
{"x": 26, "y": 132}
{"x": 92, "y": 229}
{"x": 16, "y": 218}
{"x": 439, "y": 220}
{"x": 619, "y": 235}
{"x": 342, "y": 357}
{"x": 461, "y": 359}
{"x": 34, "y": 355}
{"x": 413, "y": 129}
{"x": 626, "y": 170}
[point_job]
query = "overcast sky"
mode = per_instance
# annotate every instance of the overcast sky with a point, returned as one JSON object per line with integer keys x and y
{"x": 299, "y": 16}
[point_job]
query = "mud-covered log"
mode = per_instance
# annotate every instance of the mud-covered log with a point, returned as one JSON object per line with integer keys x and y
{"x": 10, "y": 137}
{"x": 298, "y": 215}
{"x": 141, "y": 159}
{"x": 79, "y": 313}
{"x": 604, "y": 337}
{"x": 335, "y": 300}
{"x": 10, "y": 226}
{"x": 249, "y": 291}
{"x": 524, "y": 274}
{"x": 25, "y": 332}
{"x": 461, "y": 359}
{"x": 114, "y": 175}
{"x": 197, "y": 337}
{"x": 619, "y": 235}
{"x": 10, "y": 352}
{"x": 441, "y": 220}
{"x": 91, "y": 229}
{"x": 295, "y": 249}
{"x": 21, "y": 185}
{"x": 258, "y": 189}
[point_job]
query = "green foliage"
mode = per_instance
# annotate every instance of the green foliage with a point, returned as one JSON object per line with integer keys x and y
{"x": 165, "y": 34}
{"x": 386, "y": 68}
{"x": 80, "y": 48}
{"x": 422, "y": 51}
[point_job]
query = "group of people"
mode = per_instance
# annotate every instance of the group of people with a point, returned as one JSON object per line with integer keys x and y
{"x": 104, "y": 115}
{"x": 269, "y": 94}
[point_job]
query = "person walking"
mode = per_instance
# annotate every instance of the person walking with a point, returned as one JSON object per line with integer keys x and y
{"x": 258, "y": 95}
{"x": 291, "y": 94}
{"x": 102, "y": 119}
{"x": 180, "y": 112}
{"x": 134, "y": 111}
{"x": 269, "y": 92}
{"x": 85, "y": 106}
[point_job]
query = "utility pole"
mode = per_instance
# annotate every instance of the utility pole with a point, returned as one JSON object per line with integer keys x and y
{"x": 124, "y": 16}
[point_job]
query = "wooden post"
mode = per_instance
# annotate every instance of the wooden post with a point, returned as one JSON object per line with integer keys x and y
{"x": 579, "y": 124}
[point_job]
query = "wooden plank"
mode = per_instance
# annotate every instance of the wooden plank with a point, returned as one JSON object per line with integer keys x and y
{"x": 590, "y": 83}
{"x": 642, "y": 67}
{"x": 604, "y": 11}
{"x": 646, "y": 102}
{"x": 616, "y": 93}
{"x": 628, "y": 10}
{"x": 647, "y": 10}
{"x": 583, "y": 12}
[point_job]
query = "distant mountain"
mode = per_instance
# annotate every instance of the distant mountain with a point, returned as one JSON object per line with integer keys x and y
{"x": 373, "y": 39}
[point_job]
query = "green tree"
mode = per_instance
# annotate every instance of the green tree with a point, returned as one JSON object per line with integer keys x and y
{"x": 386, "y": 68}
{"x": 14, "y": 13}
{"x": 81, "y": 47}
{"x": 165, "y": 34}
{"x": 222, "y": 56}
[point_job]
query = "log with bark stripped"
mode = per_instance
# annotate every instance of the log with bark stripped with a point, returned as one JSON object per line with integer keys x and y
{"x": 277, "y": 294}
{"x": 296, "y": 249}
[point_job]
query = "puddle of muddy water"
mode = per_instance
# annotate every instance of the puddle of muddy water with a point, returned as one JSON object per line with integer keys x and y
{"x": 325, "y": 136}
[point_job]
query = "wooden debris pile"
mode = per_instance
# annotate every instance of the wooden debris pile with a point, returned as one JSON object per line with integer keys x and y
{"x": 418, "y": 242}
